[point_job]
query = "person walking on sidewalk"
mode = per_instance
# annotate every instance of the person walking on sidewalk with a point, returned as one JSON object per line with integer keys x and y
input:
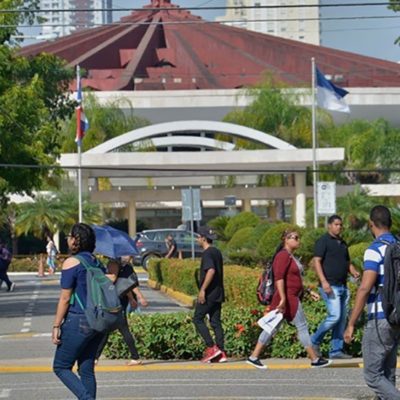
{"x": 332, "y": 264}
{"x": 75, "y": 340}
{"x": 5, "y": 260}
{"x": 210, "y": 298}
{"x": 380, "y": 340}
{"x": 52, "y": 251}
{"x": 286, "y": 300}
{"x": 124, "y": 269}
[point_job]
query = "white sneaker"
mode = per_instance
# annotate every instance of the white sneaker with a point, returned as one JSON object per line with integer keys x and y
{"x": 12, "y": 287}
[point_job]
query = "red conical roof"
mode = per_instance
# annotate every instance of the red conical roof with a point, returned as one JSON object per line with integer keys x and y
{"x": 171, "y": 49}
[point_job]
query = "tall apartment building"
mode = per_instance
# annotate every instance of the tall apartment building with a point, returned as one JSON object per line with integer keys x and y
{"x": 61, "y": 23}
{"x": 298, "y": 23}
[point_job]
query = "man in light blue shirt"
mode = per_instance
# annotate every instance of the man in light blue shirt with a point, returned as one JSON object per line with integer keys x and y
{"x": 380, "y": 340}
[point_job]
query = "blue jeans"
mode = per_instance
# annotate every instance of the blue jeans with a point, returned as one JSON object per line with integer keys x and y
{"x": 78, "y": 343}
{"x": 379, "y": 349}
{"x": 336, "y": 304}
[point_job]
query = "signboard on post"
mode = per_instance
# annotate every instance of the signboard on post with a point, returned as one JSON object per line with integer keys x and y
{"x": 191, "y": 209}
{"x": 191, "y": 204}
{"x": 326, "y": 198}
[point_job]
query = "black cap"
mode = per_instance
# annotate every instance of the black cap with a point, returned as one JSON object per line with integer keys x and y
{"x": 207, "y": 232}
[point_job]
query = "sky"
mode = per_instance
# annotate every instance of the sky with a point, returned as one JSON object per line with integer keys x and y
{"x": 371, "y": 37}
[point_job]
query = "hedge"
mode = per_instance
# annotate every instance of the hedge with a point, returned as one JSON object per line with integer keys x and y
{"x": 173, "y": 336}
{"x": 239, "y": 221}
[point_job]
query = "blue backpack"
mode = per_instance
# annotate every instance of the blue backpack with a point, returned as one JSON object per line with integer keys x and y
{"x": 103, "y": 307}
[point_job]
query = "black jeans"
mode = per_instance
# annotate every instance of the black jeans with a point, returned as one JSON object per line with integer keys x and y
{"x": 213, "y": 309}
{"x": 126, "y": 334}
{"x": 4, "y": 277}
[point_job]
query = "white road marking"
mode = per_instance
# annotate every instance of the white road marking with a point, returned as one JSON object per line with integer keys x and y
{"x": 5, "y": 393}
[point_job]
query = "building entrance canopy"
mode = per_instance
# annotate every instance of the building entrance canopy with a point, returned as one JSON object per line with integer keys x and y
{"x": 130, "y": 172}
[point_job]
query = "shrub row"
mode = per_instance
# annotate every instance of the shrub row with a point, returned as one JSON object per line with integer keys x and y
{"x": 245, "y": 240}
{"x": 173, "y": 336}
{"x": 183, "y": 276}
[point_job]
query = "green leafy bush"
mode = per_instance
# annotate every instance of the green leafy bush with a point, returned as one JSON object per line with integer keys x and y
{"x": 258, "y": 233}
{"x": 308, "y": 238}
{"x": 182, "y": 275}
{"x": 270, "y": 240}
{"x": 219, "y": 225}
{"x": 357, "y": 254}
{"x": 241, "y": 239}
{"x": 245, "y": 258}
{"x": 241, "y": 220}
{"x": 25, "y": 264}
{"x": 173, "y": 335}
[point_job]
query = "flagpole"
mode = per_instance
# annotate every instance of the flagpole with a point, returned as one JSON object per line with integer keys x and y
{"x": 314, "y": 143}
{"x": 79, "y": 144}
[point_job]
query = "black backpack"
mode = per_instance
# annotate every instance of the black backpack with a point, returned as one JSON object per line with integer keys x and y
{"x": 390, "y": 291}
{"x": 265, "y": 287}
{"x": 266, "y": 283}
{"x": 103, "y": 307}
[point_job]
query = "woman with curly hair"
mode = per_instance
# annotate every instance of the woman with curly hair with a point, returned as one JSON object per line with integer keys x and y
{"x": 287, "y": 299}
{"x": 75, "y": 340}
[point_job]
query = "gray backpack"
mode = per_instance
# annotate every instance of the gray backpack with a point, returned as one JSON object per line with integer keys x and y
{"x": 103, "y": 307}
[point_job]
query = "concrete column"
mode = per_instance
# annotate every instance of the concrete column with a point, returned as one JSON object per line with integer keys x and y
{"x": 300, "y": 199}
{"x": 246, "y": 205}
{"x": 132, "y": 217}
{"x": 56, "y": 240}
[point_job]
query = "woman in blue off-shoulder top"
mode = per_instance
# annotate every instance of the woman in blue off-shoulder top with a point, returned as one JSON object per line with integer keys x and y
{"x": 75, "y": 340}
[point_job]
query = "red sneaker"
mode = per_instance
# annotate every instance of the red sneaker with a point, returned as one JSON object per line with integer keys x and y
{"x": 222, "y": 358}
{"x": 210, "y": 353}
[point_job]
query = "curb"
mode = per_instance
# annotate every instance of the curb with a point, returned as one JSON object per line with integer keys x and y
{"x": 157, "y": 366}
{"x": 186, "y": 300}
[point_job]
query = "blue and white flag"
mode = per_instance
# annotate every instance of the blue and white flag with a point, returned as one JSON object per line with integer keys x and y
{"x": 330, "y": 96}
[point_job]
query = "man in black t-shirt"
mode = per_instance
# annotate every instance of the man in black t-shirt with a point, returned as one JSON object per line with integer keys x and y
{"x": 210, "y": 298}
{"x": 332, "y": 264}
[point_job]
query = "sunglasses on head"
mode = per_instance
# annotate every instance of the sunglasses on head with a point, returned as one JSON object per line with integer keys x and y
{"x": 294, "y": 237}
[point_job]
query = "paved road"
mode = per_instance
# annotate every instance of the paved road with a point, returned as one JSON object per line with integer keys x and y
{"x": 26, "y": 354}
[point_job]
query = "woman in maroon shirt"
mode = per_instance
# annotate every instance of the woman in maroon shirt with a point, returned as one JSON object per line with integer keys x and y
{"x": 286, "y": 300}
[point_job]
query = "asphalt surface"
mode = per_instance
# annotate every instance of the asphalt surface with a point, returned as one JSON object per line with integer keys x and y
{"x": 26, "y": 357}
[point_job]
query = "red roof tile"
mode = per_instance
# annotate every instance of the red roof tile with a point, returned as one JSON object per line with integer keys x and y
{"x": 172, "y": 49}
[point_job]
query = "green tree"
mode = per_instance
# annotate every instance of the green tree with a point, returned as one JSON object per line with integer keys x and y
{"x": 395, "y": 6}
{"x": 49, "y": 213}
{"x": 105, "y": 122}
{"x": 274, "y": 110}
{"x": 33, "y": 102}
{"x": 41, "y": 217}
{"x": 10, "y": 21}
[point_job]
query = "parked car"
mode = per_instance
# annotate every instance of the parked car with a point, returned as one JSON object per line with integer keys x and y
{"x": 151, "y": 243}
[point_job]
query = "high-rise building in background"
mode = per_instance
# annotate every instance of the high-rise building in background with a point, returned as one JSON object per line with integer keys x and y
{"x": 61, "y": 23}
{"x": 298, "y": 23}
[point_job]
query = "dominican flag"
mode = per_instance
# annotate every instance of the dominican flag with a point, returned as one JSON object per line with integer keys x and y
{"x": 82, "y": 123}
{"x": 330, "y": 96}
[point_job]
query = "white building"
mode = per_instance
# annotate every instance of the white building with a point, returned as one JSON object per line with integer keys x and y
{"x": 297, "y": 22}
{"x": 67, "y": 20}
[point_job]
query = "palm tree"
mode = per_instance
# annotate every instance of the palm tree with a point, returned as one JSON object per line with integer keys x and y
{"x": 41, "y": 217}
{"x": 69, "y": 201}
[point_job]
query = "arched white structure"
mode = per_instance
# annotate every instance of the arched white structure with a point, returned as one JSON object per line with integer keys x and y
{"x": 190, "y": 141}
{"x": 188, "y": 127}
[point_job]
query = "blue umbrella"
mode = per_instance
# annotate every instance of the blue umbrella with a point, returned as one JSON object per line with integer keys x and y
{"x": 113, "y": 243}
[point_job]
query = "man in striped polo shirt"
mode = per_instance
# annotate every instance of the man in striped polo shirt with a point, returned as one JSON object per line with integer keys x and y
{"x": 380, "y": 340}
